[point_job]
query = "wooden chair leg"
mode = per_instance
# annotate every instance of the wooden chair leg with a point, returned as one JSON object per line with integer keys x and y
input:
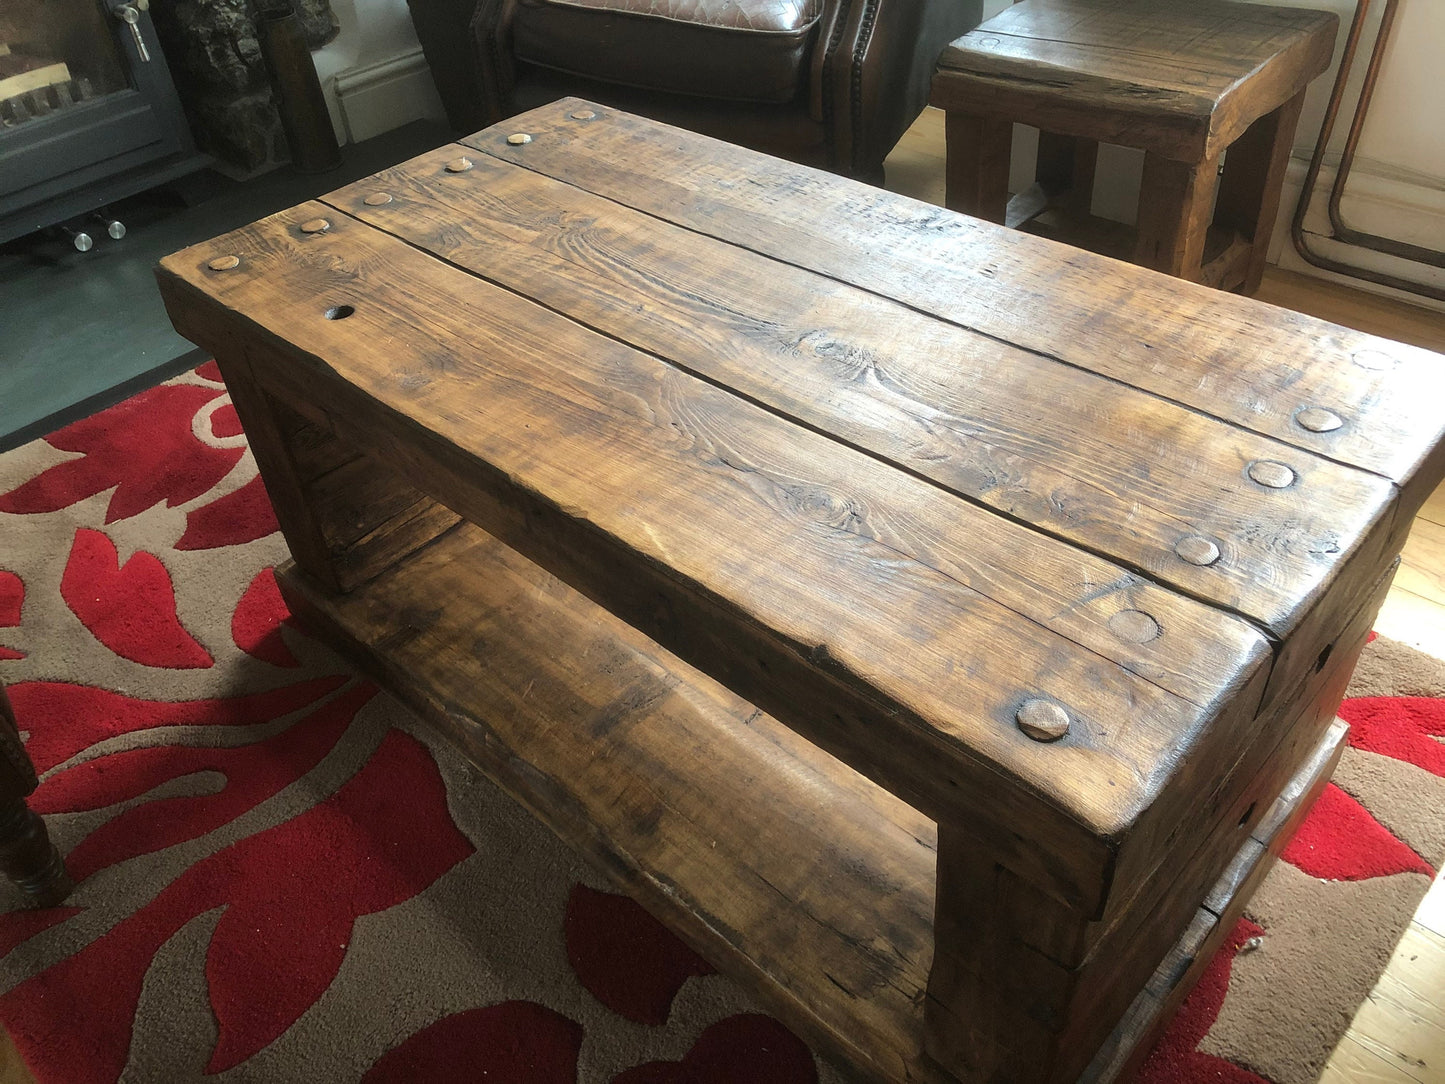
{"x": 1175, "y": 201}
{"x": 978, "y": 165}
{"x": 27, "y": 856}
{"x": 1249, "y": 191}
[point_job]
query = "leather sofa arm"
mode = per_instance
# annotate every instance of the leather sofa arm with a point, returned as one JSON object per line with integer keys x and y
{"x": 873, "y": 69}
{"x": 492, "y": 33}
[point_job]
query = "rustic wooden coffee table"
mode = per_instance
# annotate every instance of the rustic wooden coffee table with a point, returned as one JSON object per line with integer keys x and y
{"x": 746, "y": 522}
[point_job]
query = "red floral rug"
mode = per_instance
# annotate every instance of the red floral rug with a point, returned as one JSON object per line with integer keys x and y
{"x": 283, "y": 877}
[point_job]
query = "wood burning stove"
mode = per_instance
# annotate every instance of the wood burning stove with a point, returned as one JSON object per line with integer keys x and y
{"x": 88, "y": 111}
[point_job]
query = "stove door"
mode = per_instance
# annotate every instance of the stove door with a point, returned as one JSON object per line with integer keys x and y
{"x": 88, "y": 112}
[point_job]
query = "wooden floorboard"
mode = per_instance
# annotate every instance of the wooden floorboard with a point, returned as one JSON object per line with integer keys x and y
{"x": 1393, "y": 1040}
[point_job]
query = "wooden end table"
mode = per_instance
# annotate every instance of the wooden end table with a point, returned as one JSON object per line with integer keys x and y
{"x": 1182, "y": 81}
{"x": 938, "y": 635}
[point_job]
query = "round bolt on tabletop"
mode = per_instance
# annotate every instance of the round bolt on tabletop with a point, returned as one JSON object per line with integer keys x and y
{"x": 1197, "y": 550}
{"x": 315, "y": 225}
{"x": 1043, "y": 720}
{"x": 1318, "y": 420}
{"x": 516, "y": 139}
{"x": 377, "y": 199}
{"x": 459, "y": 165}
{"x": 225, "y": 263}
{"x": 1272, "y": 475}
{"x": 583, "y": 114}
{"x": 1374, "y": 359}
{"x": 1134, "y": 626}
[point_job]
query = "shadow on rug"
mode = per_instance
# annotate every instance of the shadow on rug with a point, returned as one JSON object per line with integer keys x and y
{"x": 282, "y": 877}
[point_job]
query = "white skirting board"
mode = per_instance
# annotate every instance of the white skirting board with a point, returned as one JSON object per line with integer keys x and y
{"x": 377, "y": 97}
{"x": 1405, "y": 208}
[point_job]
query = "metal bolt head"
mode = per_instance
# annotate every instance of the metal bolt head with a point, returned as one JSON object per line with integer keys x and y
{"x": 1375, "y": 360}
{"x": 315, "y": 225}
{"x": 1318, "y": 420}
{"x": 1042, "y": 720}
{"x": 459, "y": 164}
{"x": 583, "y": 114}
{"x": 1271, "y": 475}
{"x": 1197, "y": 550}
{"x": 225, "y": 263}
{"x": 516, "y": 139}
{"x": 377, "y": 199}
{"x": 1134, "y": 626}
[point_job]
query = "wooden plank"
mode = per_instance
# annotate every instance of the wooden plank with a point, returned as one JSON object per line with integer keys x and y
{"x": 593, "y": 457}
{"x": 1423, "y": 569}
{"x": 1354, "y": 1063}
{"x": 1076, "y": 455}
{"x": 812, "y": 885}
{"x": 1225, "y": 356}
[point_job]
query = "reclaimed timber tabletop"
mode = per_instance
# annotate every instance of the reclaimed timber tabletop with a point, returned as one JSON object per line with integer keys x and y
{"x": 915, "y": 484}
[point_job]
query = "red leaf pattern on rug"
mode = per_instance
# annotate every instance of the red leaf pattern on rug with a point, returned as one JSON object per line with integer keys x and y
{"x": 256, "y": 624}
{"x": 64, "y": 719}
{"x": 1341, "y": 841}
{"x": 1407, "y": 728}
{"x": 253, "y": 774}
{"x": 516, "y": 1042}
{"x": 131, "y": 609}
{"x": 144, "y": 447}
{"x": 241, "y": 516}
{"x": 625, "y": 958}
{"x": 1175, "y": 1059}
{"x": 292, "y": 894}
{"x": 12, "y": 602}
{"x": 748, "y": 1047}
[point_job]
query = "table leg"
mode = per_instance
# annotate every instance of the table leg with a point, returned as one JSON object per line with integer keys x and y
{"x": 346, "y": 517}
{"x": 1175, "y": 201}
{"x": 1065, "y": 168}
{"x": 1249, "y": 191}
{"x": 978, "y": 165}
{"x": 996, "y": 1008}
{"x": 27, "y": 856}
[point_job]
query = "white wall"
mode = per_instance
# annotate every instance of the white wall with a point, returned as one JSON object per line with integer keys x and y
{"x": 373, "y": 73}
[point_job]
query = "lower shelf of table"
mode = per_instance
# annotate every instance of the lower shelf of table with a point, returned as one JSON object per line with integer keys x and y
{"x": 778, "y": 863}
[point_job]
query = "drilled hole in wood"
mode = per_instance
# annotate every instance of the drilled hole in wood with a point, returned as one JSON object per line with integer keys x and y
{"x": 339, "y": 312}
{"x": 1247, "y": 814}
{"x": 1324, "y": 658}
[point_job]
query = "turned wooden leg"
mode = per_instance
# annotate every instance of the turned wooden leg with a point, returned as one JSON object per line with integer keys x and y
{"x": 1175, "y": 201}
{"x": 978, "y": 165}
{"x": 1065, "y": 169}
{"x": 26, "y": 854}
{"x": 1249, "y": 191}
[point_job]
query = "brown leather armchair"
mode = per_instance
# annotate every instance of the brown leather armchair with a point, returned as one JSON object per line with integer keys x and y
{"x": 831, "y": 83}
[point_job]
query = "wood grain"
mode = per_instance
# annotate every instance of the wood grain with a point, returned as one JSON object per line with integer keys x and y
{"x": 1218, "y": 354}
{"x": 1074, "y": 454}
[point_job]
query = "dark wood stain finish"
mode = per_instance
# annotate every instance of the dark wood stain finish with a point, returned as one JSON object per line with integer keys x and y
{"x": 745, "y": 522}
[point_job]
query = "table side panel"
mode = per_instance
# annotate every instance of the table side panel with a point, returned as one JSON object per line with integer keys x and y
{"x": 1229, "y": 357}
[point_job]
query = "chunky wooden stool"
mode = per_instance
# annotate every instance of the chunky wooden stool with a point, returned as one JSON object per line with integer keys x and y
{"x": 1182, "y": 81}
{"x": 940, "y": 635}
